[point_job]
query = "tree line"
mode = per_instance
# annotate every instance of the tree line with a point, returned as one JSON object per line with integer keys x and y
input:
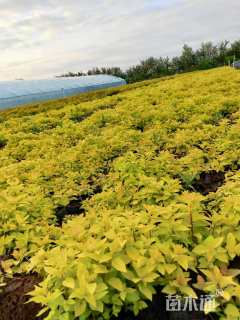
{"x": 208, "y": 56}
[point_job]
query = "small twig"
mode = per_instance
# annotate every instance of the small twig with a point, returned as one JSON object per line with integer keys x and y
{"x": 191, "y": 222}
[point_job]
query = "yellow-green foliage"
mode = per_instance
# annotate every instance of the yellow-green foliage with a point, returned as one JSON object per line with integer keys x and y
{"x": 144, "y": 147}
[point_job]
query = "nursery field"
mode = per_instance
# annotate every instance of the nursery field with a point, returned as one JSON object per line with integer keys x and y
{"x": 114, "y": 198}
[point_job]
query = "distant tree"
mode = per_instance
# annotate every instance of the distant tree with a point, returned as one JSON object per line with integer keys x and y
{"x": 207, "y": 56}
{"x": 71, "y": 74}
{"x": 175, "y": 66}
{"x": 163, "y": 66}
{"x": 235, "y": 49}
{"x": 187, "y": 59}
{"x": 223, "y": 52}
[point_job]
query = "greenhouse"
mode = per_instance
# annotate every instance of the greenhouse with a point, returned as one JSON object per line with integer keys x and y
{"x": 19, "y": 92}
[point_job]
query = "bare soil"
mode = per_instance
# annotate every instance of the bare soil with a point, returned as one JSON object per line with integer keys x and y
{"x": 13, "y": 299}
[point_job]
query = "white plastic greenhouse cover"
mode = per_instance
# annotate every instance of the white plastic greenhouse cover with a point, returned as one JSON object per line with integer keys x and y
{"x": 17, "y": 92}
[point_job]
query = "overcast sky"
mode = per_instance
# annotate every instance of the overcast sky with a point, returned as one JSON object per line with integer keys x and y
{"x": 44, "y": 38}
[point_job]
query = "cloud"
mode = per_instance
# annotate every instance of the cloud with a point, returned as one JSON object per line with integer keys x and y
{"x": 43, "y": 38}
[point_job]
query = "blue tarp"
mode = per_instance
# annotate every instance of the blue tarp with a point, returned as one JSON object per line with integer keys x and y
{"x": 236, "y": 64}
{"x": 18, "y": 92}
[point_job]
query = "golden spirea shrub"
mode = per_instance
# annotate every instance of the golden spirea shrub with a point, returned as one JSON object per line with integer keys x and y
{"x": 116, "y": 195}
